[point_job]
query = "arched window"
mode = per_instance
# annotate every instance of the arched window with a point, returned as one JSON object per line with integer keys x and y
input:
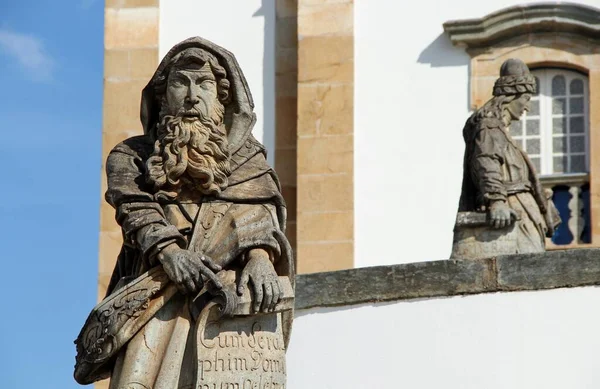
{"x": 555, "y": 135}
{"x": 555, "y": 130}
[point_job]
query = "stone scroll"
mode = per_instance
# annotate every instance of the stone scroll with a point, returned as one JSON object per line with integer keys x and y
{"x": 244, "y": 352}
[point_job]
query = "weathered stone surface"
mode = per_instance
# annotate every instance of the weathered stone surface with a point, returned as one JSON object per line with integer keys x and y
{"x": 285, "y": 122}
{"x": 323, "y": 256}
{"x": 246, "y": 351}
{"x": 129, "y": 28}
{"x": 326, "y": 193}
{"x": 326, "y": 59}
{"x": 324, "y": 155}
{"x": 325, "y": 110}
{"x": 287, "y": 33}
{"x": 116, "y": 64}
{"x": 560, "y": 19}
{"x": 119, "y": 114}
{"x": 287, "y": 172}
{"x": 286, "y": 8}
{"x": 325, "y": 19}
{"x": 131, "y": 3}
{"x": 331, "y": 226}
{"x": 397, "y": 282}
{"x": 548, "y": 270}
{"x": 554, "y": 269}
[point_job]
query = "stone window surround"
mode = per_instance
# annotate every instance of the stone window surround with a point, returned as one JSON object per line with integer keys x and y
{"x": 559, "y": 35}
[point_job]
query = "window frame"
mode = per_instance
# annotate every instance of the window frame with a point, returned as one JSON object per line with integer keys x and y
{"x": 544, "y": 77}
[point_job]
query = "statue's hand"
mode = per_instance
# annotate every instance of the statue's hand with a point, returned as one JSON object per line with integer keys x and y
{"x": 186, "y": 269}
{"x": 265, "y": 283}
{"x": 501, "y": 215}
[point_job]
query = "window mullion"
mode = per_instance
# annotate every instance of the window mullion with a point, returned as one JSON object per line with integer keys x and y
{"x": 546, "y": 121}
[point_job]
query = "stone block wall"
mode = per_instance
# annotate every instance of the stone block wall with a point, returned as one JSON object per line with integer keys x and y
{"x": 130, "y": 59}
{"x": 286, "y": 100}
{"x": 325, "y": 136}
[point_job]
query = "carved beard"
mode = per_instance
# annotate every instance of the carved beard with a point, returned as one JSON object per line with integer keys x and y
{"x": 190, "y": 151}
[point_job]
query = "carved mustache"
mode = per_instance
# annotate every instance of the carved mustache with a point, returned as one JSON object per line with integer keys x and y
{"x": 199, "y": 110}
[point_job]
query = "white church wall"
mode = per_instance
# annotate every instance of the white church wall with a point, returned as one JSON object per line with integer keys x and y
{"x": 521, "y": 340}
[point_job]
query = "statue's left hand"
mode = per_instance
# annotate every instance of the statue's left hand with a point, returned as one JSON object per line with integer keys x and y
{"x": 259, "y": 271}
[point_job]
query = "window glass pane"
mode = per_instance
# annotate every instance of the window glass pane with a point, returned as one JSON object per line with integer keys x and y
{"x": 534, "y": 108}
{"x": 578, "y": 164}
{"x": 576, "y": 87}
{"x": 558, "y": 86}
{"x": 533, "y": 127}
{"x": 537, "y": 86}
{"x": 559, "y": 164}
{"x": 559, "y": 145}
{"x": 576, "y": 125}
{"x": 558, "y": 106}
{"x": 577, "y": 144}
{"x": 516, "y": 128}
{"x": 533, "y": 146}
{"x": 565, "y": 148}
{"x": 536, "y": 163}
{"x": 559, "y": 125}
{"x": 576, "y": 105}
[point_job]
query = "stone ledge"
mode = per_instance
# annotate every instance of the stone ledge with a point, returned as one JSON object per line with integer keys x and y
{"x": 556, "y": 269}
{"x": 556, "y": 17}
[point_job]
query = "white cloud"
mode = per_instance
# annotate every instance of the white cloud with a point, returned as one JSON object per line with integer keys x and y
{"x": 29, "y": 52}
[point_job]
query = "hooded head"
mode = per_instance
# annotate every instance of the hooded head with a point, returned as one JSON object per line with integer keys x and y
{"x": 197, "y": 111}
{"x": 238, "y": 105}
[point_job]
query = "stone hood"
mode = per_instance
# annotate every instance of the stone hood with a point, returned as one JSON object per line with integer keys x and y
{"x": 239, "y": 115}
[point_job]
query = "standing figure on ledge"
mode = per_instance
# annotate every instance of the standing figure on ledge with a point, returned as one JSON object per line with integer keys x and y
{"x": 503, "y": 208}
{"x": 202, "y": 292}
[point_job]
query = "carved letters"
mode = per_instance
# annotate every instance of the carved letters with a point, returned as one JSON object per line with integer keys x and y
{"x": 242, "y": 352}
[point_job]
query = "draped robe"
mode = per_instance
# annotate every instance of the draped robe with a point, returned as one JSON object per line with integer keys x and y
{"x": 249, "y": 213}
{"x": 496, "y": 169}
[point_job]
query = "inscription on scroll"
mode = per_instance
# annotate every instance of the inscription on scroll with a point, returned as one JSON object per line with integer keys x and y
{"x": 245, "y": 352}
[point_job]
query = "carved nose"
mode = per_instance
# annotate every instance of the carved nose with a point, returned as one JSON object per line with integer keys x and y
{"x": 191, "y": 100}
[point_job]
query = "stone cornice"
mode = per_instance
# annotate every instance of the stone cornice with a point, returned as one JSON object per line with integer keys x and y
{"x": 553, "y": 269}
{"x": 557, "y": 17}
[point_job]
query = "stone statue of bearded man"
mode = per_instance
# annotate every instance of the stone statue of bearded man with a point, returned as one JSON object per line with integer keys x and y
{"x": 204, "y": 257}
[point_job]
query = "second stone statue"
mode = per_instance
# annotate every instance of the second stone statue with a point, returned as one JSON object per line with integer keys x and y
{"x": 503, "y": 208}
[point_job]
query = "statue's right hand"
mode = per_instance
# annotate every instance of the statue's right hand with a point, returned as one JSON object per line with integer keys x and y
{"x": 501, "y": 215}
{"x": 186, "y": 269}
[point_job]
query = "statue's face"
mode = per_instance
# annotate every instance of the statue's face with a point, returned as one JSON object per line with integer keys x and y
{"x": 191, "y": 91}
{"x": 518, "y": 106}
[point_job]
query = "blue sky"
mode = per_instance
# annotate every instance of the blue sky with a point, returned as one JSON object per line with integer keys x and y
{"x": 51, "y": 59}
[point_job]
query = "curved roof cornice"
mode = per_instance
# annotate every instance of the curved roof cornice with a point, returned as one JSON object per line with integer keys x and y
{"x": 558, "y": 17}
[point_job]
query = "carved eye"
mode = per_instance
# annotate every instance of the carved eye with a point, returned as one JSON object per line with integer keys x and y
{"x": 177, "y": 82}
{"x": 206, "y": 84}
